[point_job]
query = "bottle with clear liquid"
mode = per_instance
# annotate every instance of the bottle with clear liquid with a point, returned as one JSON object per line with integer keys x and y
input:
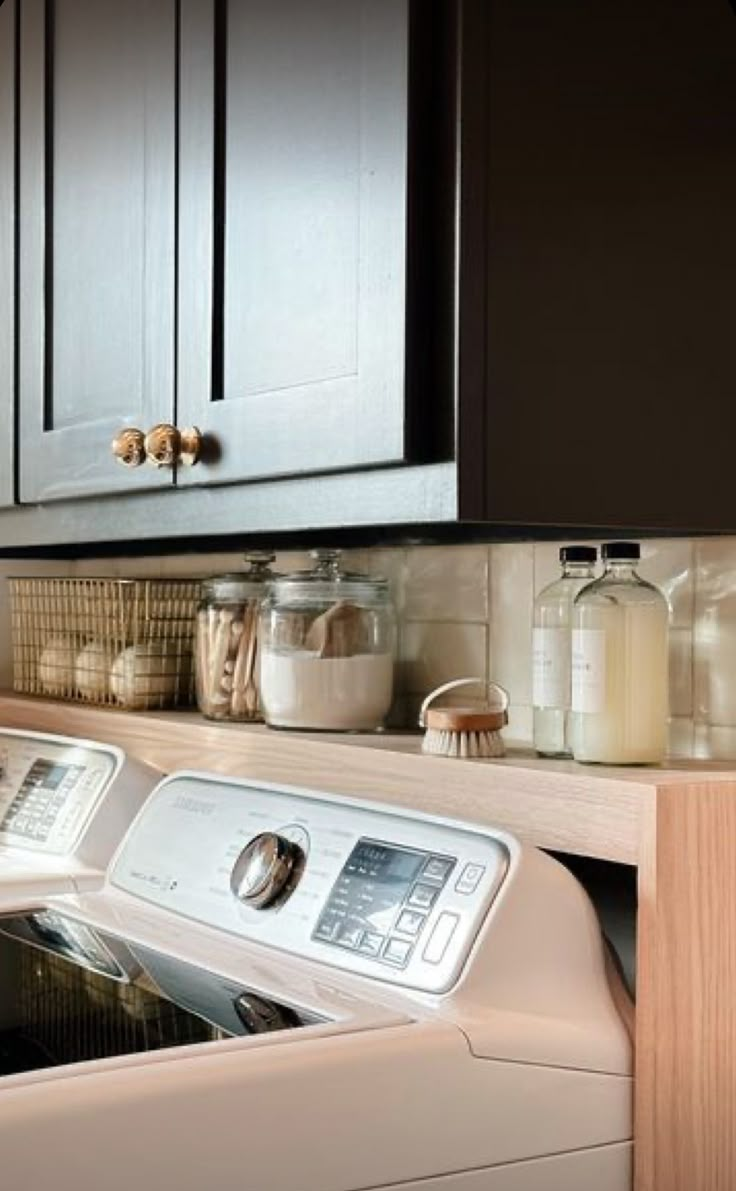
{"x": 620, "y": 665}
{"x": 553, "y": 609}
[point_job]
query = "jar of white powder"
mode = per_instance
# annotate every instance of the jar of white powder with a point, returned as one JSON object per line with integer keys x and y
{"x": 327, "y": 640}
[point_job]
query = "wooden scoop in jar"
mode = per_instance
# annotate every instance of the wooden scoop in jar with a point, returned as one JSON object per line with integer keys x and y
{"x": 336, "y": 633}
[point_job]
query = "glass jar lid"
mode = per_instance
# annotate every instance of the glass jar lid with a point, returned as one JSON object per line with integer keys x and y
{"x": 242, "y": 585}
{"x": 326, "y": 581}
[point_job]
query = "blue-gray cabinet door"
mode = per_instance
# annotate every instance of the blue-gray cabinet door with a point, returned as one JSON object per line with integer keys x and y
{"x": 97, "y": 235}
{"x": 293, "y": 232}
{"x": 7, "y": 249}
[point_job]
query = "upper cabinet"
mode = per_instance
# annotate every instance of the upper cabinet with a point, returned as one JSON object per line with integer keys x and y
{"x": 400, "y": 261}
{"x": 97, "y": 221}
{"x": 214, "y": 233}
{"x": 293, "y": 234}
{"x": 7, "y": 247}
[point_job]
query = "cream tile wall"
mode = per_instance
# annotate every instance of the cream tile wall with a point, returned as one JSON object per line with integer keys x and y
{"x": 467, "y": 610}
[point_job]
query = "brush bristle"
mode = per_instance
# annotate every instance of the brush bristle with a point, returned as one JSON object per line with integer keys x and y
{"x": 441, "y": 743}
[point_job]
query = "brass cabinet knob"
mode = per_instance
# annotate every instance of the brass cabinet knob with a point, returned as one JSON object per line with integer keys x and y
{"x": 191, "y": 445}
{"x": 128, "y": 447}
{"x": 166, "y": 445}
{"x": 162, "y": 445}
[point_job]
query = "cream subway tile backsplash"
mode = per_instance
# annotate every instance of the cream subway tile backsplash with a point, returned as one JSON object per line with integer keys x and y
{"x": 715, "y": 634}
{"x": 512, "y": 610}
{"x": 669, "y": 564}
{"x": 520, "y": 726}
{"x": 681, "y": 733}
{"x": 469, "y": 610}
{"x": 447, "y": 585}
{"x": 431, "y": 652}
{"x": 391, "y": 564}
{"x": 713, "y": 742}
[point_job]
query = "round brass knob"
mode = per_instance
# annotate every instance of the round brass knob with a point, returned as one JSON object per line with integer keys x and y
{"x": 128, "y": 447}
{"x": 162, "y": 445}
{"x": 191, "y": 445}
{"x": 166, "y": 445}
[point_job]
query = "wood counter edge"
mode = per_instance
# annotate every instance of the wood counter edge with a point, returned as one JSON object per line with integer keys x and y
{"x": 593, "y": 811}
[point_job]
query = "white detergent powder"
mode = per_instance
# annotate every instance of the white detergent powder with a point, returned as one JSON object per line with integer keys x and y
{"x": 304, "y": 690}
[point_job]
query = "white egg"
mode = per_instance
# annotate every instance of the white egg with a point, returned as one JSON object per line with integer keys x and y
{"x": 149, "y": 675}
{"x": 56, "y": 664}
{"x": 92, "y": 670}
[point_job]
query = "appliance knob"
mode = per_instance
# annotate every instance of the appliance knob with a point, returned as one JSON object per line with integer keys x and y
{"x": 264, "y": 869}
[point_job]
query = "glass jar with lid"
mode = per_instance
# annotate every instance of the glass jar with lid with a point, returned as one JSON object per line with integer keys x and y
{"x": 226, "y": 654}
{"x": 327, "y": 649}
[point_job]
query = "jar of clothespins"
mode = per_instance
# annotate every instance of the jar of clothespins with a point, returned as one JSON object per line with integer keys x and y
{"x": 227, "y": 641}
{"x": 327, "y": 649}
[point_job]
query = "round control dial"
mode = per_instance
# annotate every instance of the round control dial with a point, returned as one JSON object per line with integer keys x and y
{"x": 264, "y": 869}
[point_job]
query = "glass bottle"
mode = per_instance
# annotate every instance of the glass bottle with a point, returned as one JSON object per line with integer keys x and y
{"x": 226, "y": 648}
{"x": 327, "y": 649}
{"x": 551, "y": 651}
{"x": 620, "y": 664}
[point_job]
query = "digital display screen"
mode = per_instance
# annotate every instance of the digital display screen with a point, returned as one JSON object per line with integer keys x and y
{"x": 48, "y": 774}
{"x": 382, "y": 899}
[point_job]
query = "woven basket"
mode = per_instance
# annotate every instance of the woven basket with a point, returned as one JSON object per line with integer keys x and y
{"x": 111, "y": 642}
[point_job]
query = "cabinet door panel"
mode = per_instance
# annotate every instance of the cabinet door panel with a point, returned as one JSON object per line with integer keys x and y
{"x": 7, "y": 249}
{"x": 98, "y": 129}
{"x": 305, "y": 234}
{"x": 611, "y": 262}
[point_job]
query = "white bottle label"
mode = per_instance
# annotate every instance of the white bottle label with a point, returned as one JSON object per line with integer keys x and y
{"x": 551, "y": 670}
{"x": 589, "y": 670}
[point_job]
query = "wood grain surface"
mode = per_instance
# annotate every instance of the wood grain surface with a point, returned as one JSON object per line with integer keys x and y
{"x": 686, "y": 991}
{"x": 567, "y": 807}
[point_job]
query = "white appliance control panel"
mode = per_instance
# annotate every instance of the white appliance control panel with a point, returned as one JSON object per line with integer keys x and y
{"x": 391, "y": 895}
{"x": 49, "y": 789}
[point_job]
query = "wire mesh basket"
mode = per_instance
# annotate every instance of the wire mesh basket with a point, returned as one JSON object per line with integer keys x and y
{"x": 113, "y": 642}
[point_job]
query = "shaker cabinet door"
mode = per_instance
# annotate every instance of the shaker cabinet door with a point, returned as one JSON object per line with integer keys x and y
{"x": 293, "y": 197}
{"x": 97, "y": 236}
{"x": 7, "y": 249}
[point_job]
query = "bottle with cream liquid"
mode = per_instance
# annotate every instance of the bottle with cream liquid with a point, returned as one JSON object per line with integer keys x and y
{"x": 619, "y": 665}
{"x": 551, "y": 650}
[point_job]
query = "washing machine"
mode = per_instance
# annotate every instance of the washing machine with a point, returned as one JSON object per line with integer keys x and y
{"x": 65, "y": 804}
{"x": 284, "y": 990}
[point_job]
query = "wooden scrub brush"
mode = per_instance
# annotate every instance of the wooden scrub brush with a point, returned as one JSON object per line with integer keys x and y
{"x": 465, "y": 731}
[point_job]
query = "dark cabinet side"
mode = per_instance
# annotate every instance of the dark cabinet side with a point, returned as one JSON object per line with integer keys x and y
{"x": 7, "y": 250}
{"x": 293, "y": 234}
{"x": 610, "y": 249}
{"x": 97, "y": 219}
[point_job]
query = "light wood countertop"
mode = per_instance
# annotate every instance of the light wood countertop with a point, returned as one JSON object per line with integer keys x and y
{"x": 583, "y": 809}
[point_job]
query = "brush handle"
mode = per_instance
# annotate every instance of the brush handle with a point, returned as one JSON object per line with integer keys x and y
{"x": 457, "y": 682}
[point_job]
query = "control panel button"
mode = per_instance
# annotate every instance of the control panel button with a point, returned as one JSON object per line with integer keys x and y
{"x": 371, "y": 943}
{"x": 350, "y": 936}
{"x": 410, "y": 922}
{"x": 423, "y": 896}
{"x": 328, "y": 927}
{"x": 439, "y": 940}
{"x": 438, "y": 868}
{"x": 397, "y": 951}
{"x": 469, "y": 878}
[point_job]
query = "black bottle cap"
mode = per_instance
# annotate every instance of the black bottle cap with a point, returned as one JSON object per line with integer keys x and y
{"x": 578, "y": 554}
{"x": 620, "y": 551}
